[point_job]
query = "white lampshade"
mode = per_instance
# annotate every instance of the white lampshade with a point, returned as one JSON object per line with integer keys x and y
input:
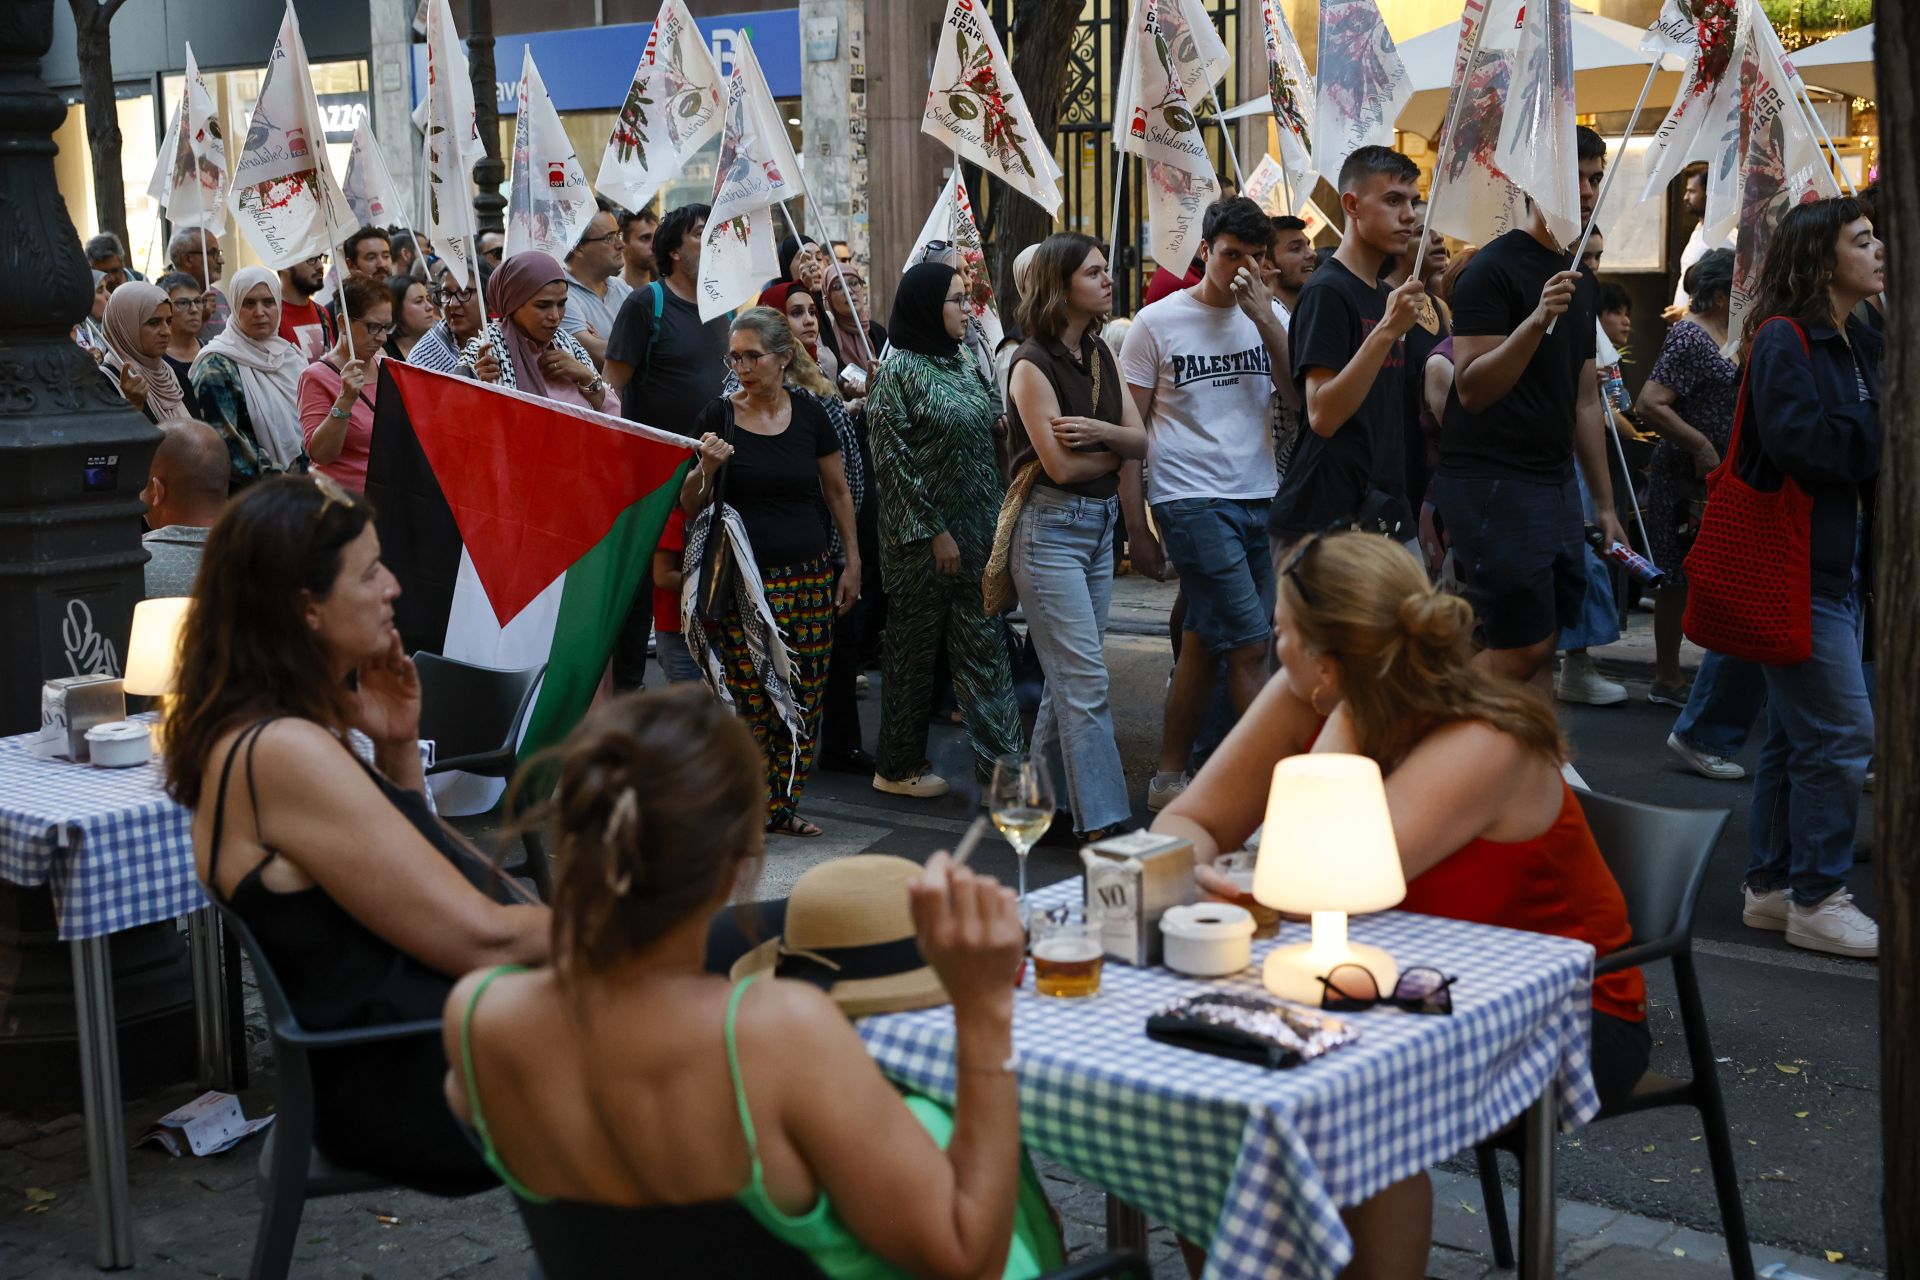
{"x": 154, "y": 647}
{"x": 1328, "y": 840}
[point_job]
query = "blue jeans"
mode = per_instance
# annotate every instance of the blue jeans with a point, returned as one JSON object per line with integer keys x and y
{"x": 1219, "y": 545}
{"x": 1806, "y": 792}
{"x": 1599, "y": 621}
{"x": 676, "y": 660}
{"x": 1062, "y": 563}
{"x": 1728, "y": 695}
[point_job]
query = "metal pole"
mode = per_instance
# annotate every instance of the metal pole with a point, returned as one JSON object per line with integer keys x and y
{"x": 210, "y": 1009}
{"x": 1458, "y": 100}
{"x": 1606, "y": 183}
{"x": 865, "y": 344}
{"x": 100, "y": 1102}
{"x": 346, "y": 315}
{"x": 1113, "y": 221}
{"x": 1226, "y": 136}
{"x": 1820, "y": 129}
{"x": 1612, "y": 428}
{"x": 1537, "y": 1208}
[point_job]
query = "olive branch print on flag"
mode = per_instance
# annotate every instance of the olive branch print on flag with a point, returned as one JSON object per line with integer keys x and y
{"x": 1161, "y": 129}
{"x": 1361, "y": 85}
{"x": 975, "y": 107}
{"x": 673, "y": 107}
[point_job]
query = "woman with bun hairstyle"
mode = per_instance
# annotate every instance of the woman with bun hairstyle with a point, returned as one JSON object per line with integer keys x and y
{"x": 1376, "y": 661}
{"x": 639, "y": 1105}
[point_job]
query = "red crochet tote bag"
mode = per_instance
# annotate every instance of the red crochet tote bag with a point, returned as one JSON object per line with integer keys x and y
{"x": 1749, "y": 574}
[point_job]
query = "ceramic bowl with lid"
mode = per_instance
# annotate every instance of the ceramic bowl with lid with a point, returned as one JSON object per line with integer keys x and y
{"x": 1208, "y": 939}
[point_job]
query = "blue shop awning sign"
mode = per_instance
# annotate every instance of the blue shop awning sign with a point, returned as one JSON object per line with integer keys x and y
{"x": 589, "y": 68}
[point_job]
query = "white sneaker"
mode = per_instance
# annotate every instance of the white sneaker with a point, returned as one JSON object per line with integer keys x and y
{"x": 1705, "y": 763}
{"x": 1578, "y": 681}
{"x": 1835, "y": 926}
{"x": 921, "y": 786}
{"x": 1763, "y": 908}
{"x": 1161, "y": 794}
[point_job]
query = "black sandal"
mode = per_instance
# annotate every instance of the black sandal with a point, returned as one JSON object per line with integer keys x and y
{"x": 794, "y": 825}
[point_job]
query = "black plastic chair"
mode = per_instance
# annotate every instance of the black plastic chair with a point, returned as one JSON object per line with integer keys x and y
{"x": 1659, "y": 858}
{"x": 291, "y": 1171}
{"x": 475, "y": 716}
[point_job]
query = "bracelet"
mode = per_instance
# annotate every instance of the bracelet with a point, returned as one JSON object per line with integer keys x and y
{"x": 1010, "y": 1067}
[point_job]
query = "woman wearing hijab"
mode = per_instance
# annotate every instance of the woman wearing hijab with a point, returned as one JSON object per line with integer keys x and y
{"x": 840, "y": 748}
{"x": 137, "y": 326}
{"x": 930, "y": 415}
{"x": 801, "y": 262}
{"x": 530, "y": 292}
{"x": 840, "y": 333}
{"x": 974, "y": 336}
{"x": 247, "y": 381}
{"x": 88, "y": 333}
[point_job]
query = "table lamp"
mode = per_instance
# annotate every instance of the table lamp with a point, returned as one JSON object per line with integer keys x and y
{"x": 1328, "y": 849}
{"x": 153, "y": 651}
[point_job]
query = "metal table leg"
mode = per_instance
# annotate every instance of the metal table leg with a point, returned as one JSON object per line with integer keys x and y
{"x": 1126, "y": 1226}
{"x": 100, "y": 1094}
{"x": 209, "y": 1001}
{"x": 1537, "y": 1202}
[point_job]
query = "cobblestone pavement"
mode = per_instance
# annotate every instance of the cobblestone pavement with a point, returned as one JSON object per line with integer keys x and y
{"x": 196, "y": 1218}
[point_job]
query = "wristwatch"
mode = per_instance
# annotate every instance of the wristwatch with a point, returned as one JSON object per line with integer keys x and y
{"x": 595, "y": 387}
{"x": 335, "y": 411}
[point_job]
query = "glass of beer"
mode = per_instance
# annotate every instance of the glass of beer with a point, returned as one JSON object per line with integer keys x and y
{"x": 1066, "y": 955}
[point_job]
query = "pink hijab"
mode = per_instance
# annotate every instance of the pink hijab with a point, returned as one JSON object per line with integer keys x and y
{"x": 518, "y": 281}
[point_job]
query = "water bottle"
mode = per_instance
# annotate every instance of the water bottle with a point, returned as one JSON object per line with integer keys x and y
{"x": 1643, "y": 571}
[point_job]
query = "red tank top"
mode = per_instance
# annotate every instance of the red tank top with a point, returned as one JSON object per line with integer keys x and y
{"x": 1554, "y": 883}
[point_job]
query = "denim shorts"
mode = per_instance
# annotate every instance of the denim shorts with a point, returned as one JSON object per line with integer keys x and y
{"x": 1219, "y": 545}
{"x": 1521, "y": 546}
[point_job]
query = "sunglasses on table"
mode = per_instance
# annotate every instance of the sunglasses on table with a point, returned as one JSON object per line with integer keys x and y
{"x": 1350, "y": 988}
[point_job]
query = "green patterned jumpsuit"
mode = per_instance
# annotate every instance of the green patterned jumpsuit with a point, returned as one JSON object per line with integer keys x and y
{"x": 930, "y": 421}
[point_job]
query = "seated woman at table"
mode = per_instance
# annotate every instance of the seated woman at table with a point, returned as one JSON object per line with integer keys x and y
{"x": 1377, "y": 661}
{"x": 367, "y": 906}
{"x": 633, "y": 1100}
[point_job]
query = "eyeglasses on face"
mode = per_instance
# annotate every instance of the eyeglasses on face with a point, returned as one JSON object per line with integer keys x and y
{"x": 612, "y": 237}
{"x": 746, "y": 359}
{"x": 187, "y": 304}
{"x": 444, "y": 296}
{"x": 377, "y": 331}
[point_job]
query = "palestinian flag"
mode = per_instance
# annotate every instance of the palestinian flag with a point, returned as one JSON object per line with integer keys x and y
{"x": 520, "y": 529}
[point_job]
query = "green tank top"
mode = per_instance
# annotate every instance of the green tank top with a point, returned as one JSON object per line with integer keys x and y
{"x": 819, "y": 1233}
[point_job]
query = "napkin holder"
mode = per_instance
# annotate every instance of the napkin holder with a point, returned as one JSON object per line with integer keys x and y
{"x": 71, "y": 705}
{"x": 1131, "y": 881}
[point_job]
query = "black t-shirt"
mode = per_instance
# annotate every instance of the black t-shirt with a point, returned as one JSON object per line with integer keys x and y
{"x": 1362, "y": 465}
{"x": 1420, "y": 345}
{"x": 688, "y": 364}
{"x": 774, "y": 481}
{"x": 1528, "y": 431}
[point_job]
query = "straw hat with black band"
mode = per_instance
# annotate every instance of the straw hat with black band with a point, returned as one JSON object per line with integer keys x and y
{"x": 849, "y": 931}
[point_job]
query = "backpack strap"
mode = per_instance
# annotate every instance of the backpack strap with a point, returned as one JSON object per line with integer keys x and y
{"x": 658, "y": 292}
{"x": 1731, "y": 458}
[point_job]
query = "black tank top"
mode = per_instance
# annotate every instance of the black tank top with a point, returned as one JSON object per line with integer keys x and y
{"x": 337, "y": 972}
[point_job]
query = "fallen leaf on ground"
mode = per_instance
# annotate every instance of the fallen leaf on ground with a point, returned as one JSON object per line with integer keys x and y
{"x": 1659, "y": 1179}
{"x": 1648, "y": 1147}
{"x": 1785, "y": 1069}
{"x": 40, "y": 1195}
{"x": 1801, "y": 1115}
{"x": 1679, "y": 1253}
{"x": 1693, "y": 1171}
{"x": 1834, "y": 1255}
{"x": 1694, "y": 1138}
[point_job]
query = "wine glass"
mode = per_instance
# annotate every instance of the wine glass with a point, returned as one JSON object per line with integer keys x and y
{"x": 1021, "y": 801}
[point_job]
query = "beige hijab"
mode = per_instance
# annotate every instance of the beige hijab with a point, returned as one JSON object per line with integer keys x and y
{"x": 131, "y": 306}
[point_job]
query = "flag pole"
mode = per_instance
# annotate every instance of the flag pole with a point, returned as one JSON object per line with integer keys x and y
{"x": 1820, "y": 130}
{"x": 1445, "y": 152}
{"x": 1226, "y": 136}
{"x": 1120, "y": 167}
{"x": 1626, "y": 473}
{"x": 346, "y": 313}
{"x": 865, "y": 344}
{"x": 1606, "y": 183}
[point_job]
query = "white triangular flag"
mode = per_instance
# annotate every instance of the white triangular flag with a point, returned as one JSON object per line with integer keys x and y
{"x": 673, "y": 107}
{"x": 190, "y": 176}
{"x": 1161, "y": 129}
{"x": 756, "y": 169}
{"x": 974, "y": 105}
{"x": 952, "y": 220}
{"x": 450, "y": 135}
{"x": 1536, "y": 149}
{"x": 1708, "y": 103}
{"x": 284, "y": 196}
{"x": 1360, "y": 84}
{"x": 1781, "y": 165}
{"x": 1290, "y": 88}
{"x": 549, "y": 203}
{"x": 368, "y": 185}
{"x": 1471, "y": 197}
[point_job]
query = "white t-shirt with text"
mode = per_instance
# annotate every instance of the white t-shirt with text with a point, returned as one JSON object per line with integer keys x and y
{"x": 1208, "y": 435}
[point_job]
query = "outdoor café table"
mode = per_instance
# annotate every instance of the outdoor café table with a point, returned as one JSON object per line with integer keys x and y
{"x": 1257, "y": 1163}
{"x": 116, "y": 853}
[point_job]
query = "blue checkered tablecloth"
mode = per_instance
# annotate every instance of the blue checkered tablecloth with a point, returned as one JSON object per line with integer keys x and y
{"x": 114, "y": 849}
{"x": 1260, "y": 1162}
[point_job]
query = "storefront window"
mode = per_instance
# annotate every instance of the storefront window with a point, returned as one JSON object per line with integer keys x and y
{"x": 139, "y": 145}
